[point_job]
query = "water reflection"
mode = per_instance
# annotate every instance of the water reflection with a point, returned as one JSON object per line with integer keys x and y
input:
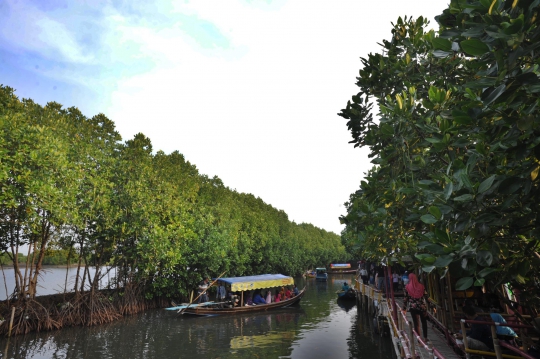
{"x": 363, "y": 332}
{"x": 319, "y": 328}
{"x": 346, "y": 305}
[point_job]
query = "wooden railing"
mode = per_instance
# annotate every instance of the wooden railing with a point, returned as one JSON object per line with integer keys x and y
{"x": 497, "y": 344}
{"x": 402, "y": 330}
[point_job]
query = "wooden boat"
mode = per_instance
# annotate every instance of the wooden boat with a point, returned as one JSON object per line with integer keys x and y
{"x": 242, "y": 284}
{"x": 346, "y": 295}
{"x": 311, "y": 274}
{"x": 321, "y": 274}
{"x": 341, "y": 268}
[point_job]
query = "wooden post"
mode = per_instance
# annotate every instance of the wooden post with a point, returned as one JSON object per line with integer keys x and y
{"x": 11, "y": 321}
{"x": 242, "y": 300}
{"x": 450, "y": 300}
{"x": 411, "y": 339}
{"x": 464, "y": 333}
{"x": 496, "y": 346}
{"x": 394, "y": 308}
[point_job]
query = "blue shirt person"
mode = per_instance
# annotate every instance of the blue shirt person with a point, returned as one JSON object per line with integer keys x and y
{"x": 258, "y": 299}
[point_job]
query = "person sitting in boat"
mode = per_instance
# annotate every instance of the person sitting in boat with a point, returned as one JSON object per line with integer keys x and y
{"x": 295, "y": 290}
{"x": 235, "y": 302}
{"x": 268, "y": 297}
{"x": 249, "y": 300}
{"x": 258, "y": 299}
{"x": 345, "y": 287}
{"x": 278, "y": 296}
{"x": 288, "y": 294}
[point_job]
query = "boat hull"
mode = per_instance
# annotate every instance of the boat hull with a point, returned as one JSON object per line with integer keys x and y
{"x": 349, "y": 295}
{"x": 216, "y": 310}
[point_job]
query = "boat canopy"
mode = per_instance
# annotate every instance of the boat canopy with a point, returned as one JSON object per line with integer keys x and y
{"x": 257, "y": 282}
{"x": 340, "y": 266}
{"x": 321, "y": 269}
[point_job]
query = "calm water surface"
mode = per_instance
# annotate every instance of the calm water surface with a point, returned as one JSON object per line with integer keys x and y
{"x": 319, "y": 327}
{"x": 52, "y": 280}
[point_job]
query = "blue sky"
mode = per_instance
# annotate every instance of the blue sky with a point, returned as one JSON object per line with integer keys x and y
{"x": 246, "y": 90}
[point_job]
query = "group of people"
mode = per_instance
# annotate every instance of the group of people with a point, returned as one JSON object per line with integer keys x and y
{"x": 224, "y": 294}
{"x": 376, "y": 275}
{"x": 272, "y": 296}
{"x": 478, "y": 335}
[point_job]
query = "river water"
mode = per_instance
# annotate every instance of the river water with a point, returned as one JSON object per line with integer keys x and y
{"x": 52, "y": 280}
{"x": 320, "y": 327}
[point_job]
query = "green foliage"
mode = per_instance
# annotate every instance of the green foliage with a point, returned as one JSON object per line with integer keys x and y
{"x": 454, "y": 146}
{"x": 74, "y": 193}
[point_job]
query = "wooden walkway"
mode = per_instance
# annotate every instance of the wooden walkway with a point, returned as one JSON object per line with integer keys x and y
{"x": 435, "y": 336}
{"x": 407, "y": 343}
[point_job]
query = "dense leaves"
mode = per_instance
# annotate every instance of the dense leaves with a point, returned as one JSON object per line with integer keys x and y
{"x": 68, "y": 182}
{"x": 454, "y": 146}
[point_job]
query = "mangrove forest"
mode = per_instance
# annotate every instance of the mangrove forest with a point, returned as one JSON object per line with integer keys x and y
{"x": 452, "y": 122}
{"x": 71, "y": 188}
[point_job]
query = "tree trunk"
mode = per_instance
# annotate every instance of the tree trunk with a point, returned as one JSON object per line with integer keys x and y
{"x": 43, "y": 246}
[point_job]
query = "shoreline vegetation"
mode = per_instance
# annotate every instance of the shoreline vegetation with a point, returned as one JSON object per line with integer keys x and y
{"x": 74, "y": 193}
{"x": 451, "y": 121}
{"x": 57, "y": 311}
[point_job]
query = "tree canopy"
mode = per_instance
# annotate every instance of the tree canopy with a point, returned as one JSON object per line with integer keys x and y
{"x": 455, "y": 146}
{"x": 68, "y": 182}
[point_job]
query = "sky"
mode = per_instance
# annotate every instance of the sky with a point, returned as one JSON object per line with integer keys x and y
{"x": 247, "y": 90}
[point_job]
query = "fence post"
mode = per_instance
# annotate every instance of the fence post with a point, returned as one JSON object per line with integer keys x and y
{"x": 464, "y": 334}
{"x": 411, "y": 340}
{"x": 496, "y": 346}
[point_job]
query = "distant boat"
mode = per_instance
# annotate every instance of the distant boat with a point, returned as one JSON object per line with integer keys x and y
{"x": 311, "y": 274}
{"x": 321, "y": 274}
{"x": 242, "y": 284}
{"x": 341, "y": 268}
{"x": 346, "y": 295}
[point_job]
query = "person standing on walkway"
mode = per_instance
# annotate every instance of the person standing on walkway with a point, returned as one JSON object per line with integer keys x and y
{"x": 405, "y": 279}
{"x": 379, "y": 273}
{"x": 364, "y": 275}
{"x": 415, "y": 298}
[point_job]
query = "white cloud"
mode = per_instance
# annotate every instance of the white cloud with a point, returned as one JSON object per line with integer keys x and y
{"x": 247, "y": 91}
{"x": 28, "y": 28}
{"x": 265, "y": 120}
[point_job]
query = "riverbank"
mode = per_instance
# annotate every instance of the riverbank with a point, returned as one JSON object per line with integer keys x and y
{"x": 57, "y": 311}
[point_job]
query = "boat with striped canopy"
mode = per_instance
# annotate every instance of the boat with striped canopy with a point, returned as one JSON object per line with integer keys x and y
{"x": 242, "y": 285}
{"x": 341, "y": 268}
